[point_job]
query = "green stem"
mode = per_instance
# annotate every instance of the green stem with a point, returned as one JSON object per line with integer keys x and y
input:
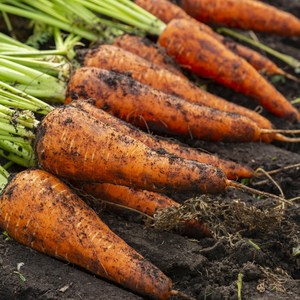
{"x": 3, "y": 179}
{"x": 291, "y": 61}
{"x": 18, "y": 160}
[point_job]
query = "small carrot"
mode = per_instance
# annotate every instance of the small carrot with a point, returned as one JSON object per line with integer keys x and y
{"x": 41, "y": 212}
{"x": 230, "y": 168}
{"x": 142, "y": 201}
{"x": 245, "y": 14}
{"x": 167, "y": 11}
{"x": 119, "y": 60}
{"x": 148, "y": 50}
{"x": 207, "y": 57}
{"x": 74, "y": 145}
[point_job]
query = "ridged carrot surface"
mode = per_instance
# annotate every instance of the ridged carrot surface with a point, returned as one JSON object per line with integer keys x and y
{"x": 206, "y": 57}
{"x": 231, "y": 169}
{"x": 116, "y": 59}
{"x": 73, "y": 144}
{"x": 166, "y": 11}
{"x": 41, "y": 212}
{"x": 146, "y": 107}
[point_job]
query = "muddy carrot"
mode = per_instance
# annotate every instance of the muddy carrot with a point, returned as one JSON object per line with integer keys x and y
{"x": 143, "y": 201}
{"x": 245, "y": 14}
{"x": 41, "y": 212}
{"x": 207, "y": 57}
{"x": 231, "y": 169}
{"x": 119, "y": 60}
{"x": 167, "y": 11}
{"x": 148, "y": 50}
{"x": 73, "y": 144}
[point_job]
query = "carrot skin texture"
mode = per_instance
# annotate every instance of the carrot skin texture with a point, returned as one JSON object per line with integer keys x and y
{"x": 60, "y": 224}
{"x": 144, "y": 201}
{"x": 148, "y": 50}
{"x": 115, "y": 59}
{"x": 231, "y": 169}
{"x": 166, "y": 11}
{"x": 72, "y": 144}
{"x": 207, "y": 57}
{"x": 146, "y": 107}
{"x": 244, "y": 14}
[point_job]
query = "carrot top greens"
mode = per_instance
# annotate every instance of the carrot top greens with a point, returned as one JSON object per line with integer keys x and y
{"x": 92, "y": 20}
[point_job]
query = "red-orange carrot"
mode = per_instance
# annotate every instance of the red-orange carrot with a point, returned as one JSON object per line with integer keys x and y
{"x": 145, "y": 107}
{"x": 140, "y": 200}
{"x": 73, "y": 144}
{"x": 119, "y": 60}
{"x": 245, "y": 14}
{"x": 148, "y": 50}
{"x": 166, "y": 11}
{"x": 39, "y": 211}
{"x": 231, "y": 169}
{"x": 207, "y": 57}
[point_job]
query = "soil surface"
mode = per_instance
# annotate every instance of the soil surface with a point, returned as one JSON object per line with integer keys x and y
{"x": 207, "y": 268}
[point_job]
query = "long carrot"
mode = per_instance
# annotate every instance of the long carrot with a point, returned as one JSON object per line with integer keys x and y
{"x": 41, "y": 212}
{"x": 231, "y": 169}
{"x": 73, "y": 144}
{"x": 207, "y": 57}
{"x": 148, "y": 50}
{"x": 119, "y": 60}
{"x": 146, "y": 107}
{"x": 245, "y": 14}
{"x": 167, "y": 11}
{"x": 143, "y": 201}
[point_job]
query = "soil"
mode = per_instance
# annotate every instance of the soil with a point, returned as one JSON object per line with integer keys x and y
{"x": 207, "y": 268}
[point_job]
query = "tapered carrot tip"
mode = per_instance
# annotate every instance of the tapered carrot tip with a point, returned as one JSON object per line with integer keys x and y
{"x": 39, "y": 211}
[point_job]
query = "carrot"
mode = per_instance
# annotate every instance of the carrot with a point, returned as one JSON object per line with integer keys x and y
{"x": 119, "y": 60}
{"x": 41, "y": 212}
{"x": 73, "y": 144}
{"x": 143, "y": 201}
{"x": 146, "y": 107}
{"x": 148, "y": 50}
{"x": 245, "y": 14}
{"x": 207, "y": 57}
{"x": 166, "y": 11}
{"x": 231, "y": 169}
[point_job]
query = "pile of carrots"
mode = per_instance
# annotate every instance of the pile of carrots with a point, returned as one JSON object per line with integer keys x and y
{"x": 90, "y": 143}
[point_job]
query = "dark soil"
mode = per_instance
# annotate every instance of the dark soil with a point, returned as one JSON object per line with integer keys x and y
{"x": 206, "y": 268}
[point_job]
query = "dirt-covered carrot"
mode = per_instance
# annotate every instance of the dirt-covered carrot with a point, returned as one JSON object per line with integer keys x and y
{"x": 148, "y": 50}
{"x": 73, "y": 144}
{"x": 188, "y": 44}
{"x": 116, "y": 59}
{"x": 146, "y": 107}
{"x": 167, "y": 11}
{"x": 207, "y": 57}
{"x": 245, "y": 14}
{"x": 231, "y": 169}
{"x": 41, "y": 212}
{"x": 142, "y": 201}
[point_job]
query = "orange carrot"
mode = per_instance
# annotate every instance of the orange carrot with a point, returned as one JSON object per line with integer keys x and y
{"x": 232, "y": 170}
{"x": 245, "y": 14}
{"x": 166, "y": 11}
{"x": 39, "y": 211}
{"x": 73, "y": 144}
{"x": 119, "y": 60}
{"x": 146, "y": 107}
{"x": 143, "y": 201}
{"x": 207, "y": 57}
{"x": 148, "y": 50}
